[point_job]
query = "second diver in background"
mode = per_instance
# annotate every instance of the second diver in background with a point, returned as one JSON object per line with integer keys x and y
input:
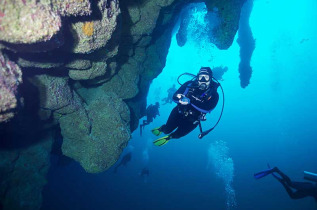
{"x": 151, "y": 112}
{"x": 295, "y": 190}
{"x": 169, "y": 98}
{"x": 194, "y": 100}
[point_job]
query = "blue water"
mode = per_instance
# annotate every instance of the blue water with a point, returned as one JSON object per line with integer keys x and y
{"x": 272, "y": 120}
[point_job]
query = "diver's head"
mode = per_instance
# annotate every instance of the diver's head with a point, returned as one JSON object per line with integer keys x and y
{"x": 204, "y": 77}
{"x": 157, "y": 104}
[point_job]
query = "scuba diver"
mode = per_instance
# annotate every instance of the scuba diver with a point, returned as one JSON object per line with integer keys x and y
{"x": 302, "y": 189}
{"x": 145, "y": 173}
{"x": 194, "y": 99}
{"x": 151, "y": 112}
{"x": 169, "y": 98}
{"x": 124, "y": 161}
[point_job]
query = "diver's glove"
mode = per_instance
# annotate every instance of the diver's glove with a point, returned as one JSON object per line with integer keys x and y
{"x": 183, "y": 99}
{"x": 179, "y": 96}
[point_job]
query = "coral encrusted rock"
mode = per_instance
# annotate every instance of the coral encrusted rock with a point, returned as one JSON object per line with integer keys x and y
{"x": 97, "y": 69}
{"x": 229, "y": 12}
{"x": 41, "y": 60}
{"x": 79, "y": 64}
{"x": 95, "y": 34}
{"x": 54, "y": 92}
{"x": 10, "y": 78}
{"x": 72, "y": 7}
{"x": 96, "y": 136}
{"x": 125, "y": 83}
{"x": 27, "y": 22}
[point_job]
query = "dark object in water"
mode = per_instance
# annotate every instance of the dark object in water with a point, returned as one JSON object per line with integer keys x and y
{"x": 246, "y": 43}
{"x": 126, "y": 158}
{"x": 295, "y": 190}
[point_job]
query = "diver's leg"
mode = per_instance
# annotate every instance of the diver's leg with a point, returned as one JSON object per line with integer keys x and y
{"x": 183, "y": 129}
{"x": 294, "y": 195}
{"x": 142, "y": 126}
{"x": 285, "y": 178}
{"x": 146, "y": 122}
{"x": 302, "y": 186}
{"x": 149, "y": 119}
{"x": 287, "y": 184}
{"x": 299, "y": 194}
{"x": 172, "y": 122}
{"x": 288, "y": 190}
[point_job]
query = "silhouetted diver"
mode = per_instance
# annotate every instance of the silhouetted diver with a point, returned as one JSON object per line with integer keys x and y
{"x": 302, "y": 189}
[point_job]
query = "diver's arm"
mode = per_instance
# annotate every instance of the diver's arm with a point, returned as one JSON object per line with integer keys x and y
{"x": 180, "y": 91}
{"x": 205, "y": 106}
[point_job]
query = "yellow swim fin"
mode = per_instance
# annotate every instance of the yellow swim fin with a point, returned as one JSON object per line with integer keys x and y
{"x": 162, "y": 141}
{"x": 156, "y": 131}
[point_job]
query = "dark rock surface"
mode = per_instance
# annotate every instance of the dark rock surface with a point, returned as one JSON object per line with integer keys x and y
{"x": 246, "y": 43}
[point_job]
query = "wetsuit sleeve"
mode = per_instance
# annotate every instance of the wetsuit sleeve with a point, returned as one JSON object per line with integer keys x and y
{"x": 148, "y": 109}
{"x": 206, "y": 105}
{"x": 181, "y": 90}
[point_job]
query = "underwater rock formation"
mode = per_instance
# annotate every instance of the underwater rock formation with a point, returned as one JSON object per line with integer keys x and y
{"x": 27, "y": 22}
{"x": 10, "y": 78}
{"x": 71, "y": 7}
{"x": 125, "y": 83}
{"x": 23, "y": 175}
{"x": 39, "y": 60}
{"x": 79, "y": 64}
{"x": 91, "y": 35}
{"x": 54, "y": 92}
{"x": 229, "y": 13}
{"x": 220, "y": 22}
{"x": 96, "y": 135}
{"x": 89, "y": 65}
{"x": 97, "y": 69}
{"x": 246, "y": 43}
{"x": 138, "y": 59}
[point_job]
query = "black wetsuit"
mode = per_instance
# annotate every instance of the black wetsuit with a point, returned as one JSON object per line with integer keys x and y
{"x": 151, "y": 112}
{"x": 185, "y": 118}
{"x": 169, "y": 98}
{"x": 302, "y": 189}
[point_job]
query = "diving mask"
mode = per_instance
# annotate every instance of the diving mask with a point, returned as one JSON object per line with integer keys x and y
{"x": 203, "y": 81}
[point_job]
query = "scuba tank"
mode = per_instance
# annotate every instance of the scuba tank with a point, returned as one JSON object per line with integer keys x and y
{"x": 310, "y": 176}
